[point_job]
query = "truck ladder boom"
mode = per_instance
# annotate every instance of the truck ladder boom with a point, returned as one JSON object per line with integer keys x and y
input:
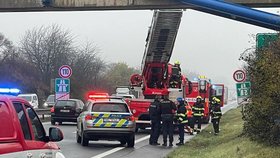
{"x": 161, "y": 36}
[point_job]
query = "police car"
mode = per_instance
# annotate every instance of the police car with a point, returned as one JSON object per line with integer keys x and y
{"x": 106, "y": 118}
{"x": 21, "y": 131}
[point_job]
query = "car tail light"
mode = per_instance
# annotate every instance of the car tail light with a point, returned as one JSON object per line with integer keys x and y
{"x": 131, "y": 118}
{"x": 88, "y": 117}
{"x": 52, "y": 110}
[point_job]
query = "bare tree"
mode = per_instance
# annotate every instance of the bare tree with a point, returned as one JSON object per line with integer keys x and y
{"x": 87, "y": 69}
{"x": 47, "y": 48}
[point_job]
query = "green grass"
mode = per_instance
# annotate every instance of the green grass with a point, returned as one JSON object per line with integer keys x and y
{"x": 228, "y": 144}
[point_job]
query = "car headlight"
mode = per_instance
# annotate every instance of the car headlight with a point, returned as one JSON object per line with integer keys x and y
{"x": 45, "y": 104}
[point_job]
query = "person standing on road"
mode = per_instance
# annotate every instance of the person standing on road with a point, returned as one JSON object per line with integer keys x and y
{"x": 189, "y": 126}
{"x": 181, "y": 119}
{"x": 198, "y": 113}
{"x": 167, "y": 110}
{"x": 155, "y": 121}
{"x": 216, "y": 114}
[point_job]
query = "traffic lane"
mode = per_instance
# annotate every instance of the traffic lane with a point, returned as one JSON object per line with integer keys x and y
{"x": 71, "y": 149}
{"x": 143, "y": 149}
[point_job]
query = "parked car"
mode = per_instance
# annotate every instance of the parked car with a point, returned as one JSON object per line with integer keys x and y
{"x": 31, "y": 98}
{"x": 50, "y": 101}
{"x": 22, "y": 133}
{"x": 66, "y": 111}
{"x": 106, "y": 118}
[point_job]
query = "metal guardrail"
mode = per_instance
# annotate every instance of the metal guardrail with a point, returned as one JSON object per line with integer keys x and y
{"x": 43, "y": 112}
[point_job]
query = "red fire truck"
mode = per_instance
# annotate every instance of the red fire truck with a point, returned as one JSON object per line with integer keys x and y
{"x": 204, "y": 88}
{"x": 158, "y": 77}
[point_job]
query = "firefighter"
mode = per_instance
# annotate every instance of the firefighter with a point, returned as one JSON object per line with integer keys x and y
{"x": 155, "y": 121}
{"x": 216, "y": 114}
{"x": 190, "y": 118}
{"x": 181, "y": 119}
{"x": 177, "y": 64}
{"x": 167, "y": 110}
{"x": 198, "y": 113}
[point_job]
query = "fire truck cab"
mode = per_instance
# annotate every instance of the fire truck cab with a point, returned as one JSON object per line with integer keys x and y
{"x": 21, "y": 131}
{"x": 204, "y": 88}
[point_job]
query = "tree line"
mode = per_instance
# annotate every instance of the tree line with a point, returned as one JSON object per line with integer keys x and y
{"x": 262, "y": 114}
{"x": 34, "y": 63}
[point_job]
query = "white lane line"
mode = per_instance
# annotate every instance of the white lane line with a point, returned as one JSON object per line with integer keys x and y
{"x": 119, "y": 148}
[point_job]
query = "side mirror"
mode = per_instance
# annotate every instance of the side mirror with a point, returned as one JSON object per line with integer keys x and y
{"x": 55, "y": 134}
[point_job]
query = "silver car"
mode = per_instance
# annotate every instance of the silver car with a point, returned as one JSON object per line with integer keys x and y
{"x": 106, "y": 119}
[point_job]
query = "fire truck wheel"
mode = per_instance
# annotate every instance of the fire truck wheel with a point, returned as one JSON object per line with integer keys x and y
{"x": 78, "y": 137}
{"x": 131, "y": 140}
{"x": 136, "y": 129}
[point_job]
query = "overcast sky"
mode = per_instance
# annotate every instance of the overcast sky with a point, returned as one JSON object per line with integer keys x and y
{"x": 206, "y": 44}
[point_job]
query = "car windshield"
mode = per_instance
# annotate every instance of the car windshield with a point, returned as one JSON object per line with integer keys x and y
{"x": 28, "y": 98}
{"x": 65, "y": 103}
{"x": 109, "y": 107}
{"x": 50, "y": 98}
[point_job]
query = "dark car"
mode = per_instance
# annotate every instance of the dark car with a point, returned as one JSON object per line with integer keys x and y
{"x": 66, "y": 111}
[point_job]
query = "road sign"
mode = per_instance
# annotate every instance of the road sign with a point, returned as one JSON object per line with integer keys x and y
{"x": 264, "y": 39}
{"x": 62, "y": 96}
{"x": 239, "y": 76}
{"x": 62, "y": 88}
{"x": 62, "y": 85}
{"x": 65, "y": 71}
{"x": 243, "y": 89}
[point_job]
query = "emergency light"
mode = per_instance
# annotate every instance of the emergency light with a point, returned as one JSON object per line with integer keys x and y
{"x": 9, "y": 91}
{"x": 95, "y": 95}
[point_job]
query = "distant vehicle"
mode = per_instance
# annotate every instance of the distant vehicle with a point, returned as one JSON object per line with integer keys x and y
{"x": 31, "y": 98}
{"x": 106, "y": 118}
{"x": 130, "y": 96}
{"x": 50, "y": 101}
{"x": 22, "y": 133}
{"x": 66, "y": 111}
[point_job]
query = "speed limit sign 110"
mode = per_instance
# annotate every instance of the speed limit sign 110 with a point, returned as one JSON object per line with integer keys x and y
{"x": 239, "y": 76}
{"x": 65, "y": 71}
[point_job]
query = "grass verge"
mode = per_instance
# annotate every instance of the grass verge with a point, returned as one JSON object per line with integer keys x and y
{"x": 228, "y": 144}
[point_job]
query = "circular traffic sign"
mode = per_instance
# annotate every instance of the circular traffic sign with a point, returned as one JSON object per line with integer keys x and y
{"x": 65, "y": 71}
{"x": 239, "y": 76}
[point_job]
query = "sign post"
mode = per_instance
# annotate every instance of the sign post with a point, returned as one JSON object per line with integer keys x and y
{"x": 62, "y": 85}
{"x": 243, "y": 89}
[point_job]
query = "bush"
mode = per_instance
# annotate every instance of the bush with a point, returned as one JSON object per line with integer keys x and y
{"x": 262, "y": 116}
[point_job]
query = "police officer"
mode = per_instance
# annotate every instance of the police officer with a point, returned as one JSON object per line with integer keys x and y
{"x": 155, "y": 121}
{"x": 181, "y": 119}
{"x": 216, "y": 114}
{"x": 167, "y": 110}
{"x": 198, "y": 112}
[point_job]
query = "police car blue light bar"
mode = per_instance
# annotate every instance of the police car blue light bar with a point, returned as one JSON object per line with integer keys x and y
{"x": 9, "y": 91}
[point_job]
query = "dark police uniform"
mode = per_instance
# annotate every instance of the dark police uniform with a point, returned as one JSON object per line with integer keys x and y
{"x": 167, "y": 108}
{"x": 154, "y": 112}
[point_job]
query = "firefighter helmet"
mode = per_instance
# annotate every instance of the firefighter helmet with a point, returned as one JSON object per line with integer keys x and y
{"x": 177, "y": 62}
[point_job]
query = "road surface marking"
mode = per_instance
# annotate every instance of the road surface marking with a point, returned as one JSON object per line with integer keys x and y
{"x": 119, "y": 148}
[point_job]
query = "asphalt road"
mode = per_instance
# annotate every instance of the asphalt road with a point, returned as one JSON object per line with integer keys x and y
{"x": 113, "y": 149}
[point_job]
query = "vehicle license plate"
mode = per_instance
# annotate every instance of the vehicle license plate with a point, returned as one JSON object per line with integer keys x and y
{"x": 111, "y": 120}
{"x": 64, "y": 110}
